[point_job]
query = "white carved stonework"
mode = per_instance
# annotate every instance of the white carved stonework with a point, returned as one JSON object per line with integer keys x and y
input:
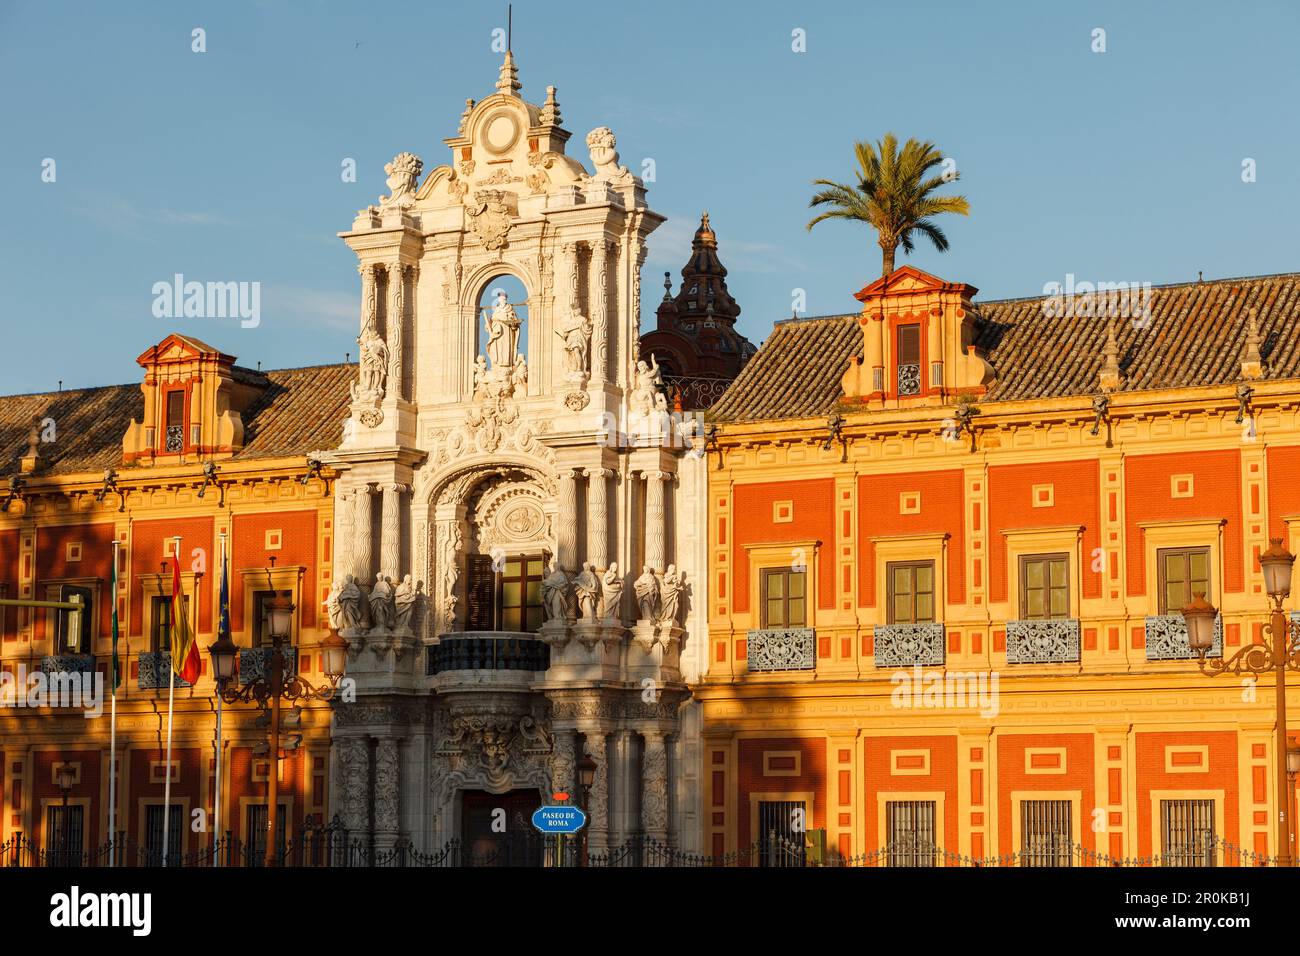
{"x": 491, "y": 596}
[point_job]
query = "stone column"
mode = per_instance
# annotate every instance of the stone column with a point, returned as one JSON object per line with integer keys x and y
{"x": 352, "y": 783}
{"x": 564, "y": 765}
{"x": 387, "y": 787}
{"x": 390, "y": 535}
{"x": 369, "y": 300}
{"x": 567, "y": 536}
{"x": 598, "y": 802}
{"x": 361, "y": 535}
{"x": 654, "y": 787}
{"x": 598, "y": 302}
{"x": 597, "y": 517}
{"x": 396, "y": 326}
{"x": 655, "y": 537}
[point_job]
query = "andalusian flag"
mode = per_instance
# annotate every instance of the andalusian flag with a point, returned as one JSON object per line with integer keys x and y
{"x": 184, "y": 649}
{"x": 115, "y": 664}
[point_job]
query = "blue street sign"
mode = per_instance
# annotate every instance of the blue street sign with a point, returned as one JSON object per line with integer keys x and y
{"x": 559, "y": 819}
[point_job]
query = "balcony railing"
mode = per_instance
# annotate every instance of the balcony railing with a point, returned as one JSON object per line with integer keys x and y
{"x": 694, "y": 391}
{"x": 488, "y": 651}
{"x": 68, "y": 664}
{"x": 255, "y": 663}
{"x": 1167, "y": 638}
{"x": 903, "y": 645}
{"x": 1043, "y": 641}
{"x": 782, "y": 649}
{"x": 154, "y": 669}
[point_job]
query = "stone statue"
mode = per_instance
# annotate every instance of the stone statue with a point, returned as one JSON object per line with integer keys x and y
{"x": 404, "y": 596}
{"x": 381, "y": 603}
{"x": 333, "y": 609}
{"x": 403, "y": 177}
{"x": 670, "y": 592}
{"x": 503, "y": 333}
{"x": 374, "y": 362}
{"x": 555, "y": 594}
{"x": 647, "y": 390}
{"x": 480, "y": 378}
{"x": 647, "y": 593}
{"x": 588, "y": 588}
{"x": 576, "y": 332}
{"x": 604, "y": 157}
{"x": 612, "y": 594}
{"x": 350, "y": 603}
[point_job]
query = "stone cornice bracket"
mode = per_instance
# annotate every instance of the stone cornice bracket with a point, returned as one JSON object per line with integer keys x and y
{"x": 210, "y": 478}
{"x": 711, "y": 443}
{"x": 835, "y": 433}
{"x": 1244, "y": 395}
{"x": 16, "y": 485}
{"x": 110, "y": 484}
{"x": 1101, "y": 413}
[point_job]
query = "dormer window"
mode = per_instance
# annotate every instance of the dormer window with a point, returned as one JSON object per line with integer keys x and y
{"x": 909, "y": 359}
{"x": 174, "y": 436}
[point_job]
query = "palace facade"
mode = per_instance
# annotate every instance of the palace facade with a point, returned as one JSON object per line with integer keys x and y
{"x": 949, "y": 544}
{"x": 199, "y": 449}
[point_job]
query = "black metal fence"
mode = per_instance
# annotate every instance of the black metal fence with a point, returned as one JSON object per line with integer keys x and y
{"x": 331, "y": 846}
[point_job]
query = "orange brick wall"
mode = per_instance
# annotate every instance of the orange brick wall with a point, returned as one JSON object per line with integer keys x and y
{"x": 812, "y": 777}
{"x": 941, "y": 511}
{"x": 881, "y": 781}
{"x": 297, "y": 548}
{"x": 146, "y": 558}
{"x": 1014, "y": 774}
{"x": 1153, "y": 775}
{"x": 1076, "y": 496}
{"x": 814, "y": 518}
{"x": 1283, "y": 487}
{"x": 96, "y": 562}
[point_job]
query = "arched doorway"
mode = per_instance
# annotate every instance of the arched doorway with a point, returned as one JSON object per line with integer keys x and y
{"x": 497, "y": 828}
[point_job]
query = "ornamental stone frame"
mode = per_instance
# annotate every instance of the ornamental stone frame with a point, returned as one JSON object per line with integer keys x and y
{"x": 448, "y": 460}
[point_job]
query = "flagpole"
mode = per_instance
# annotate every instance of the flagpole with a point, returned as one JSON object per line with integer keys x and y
{"x": 171, "y": 692}
{"x": 112, "y": 732}
{"x": 216, "y": 826}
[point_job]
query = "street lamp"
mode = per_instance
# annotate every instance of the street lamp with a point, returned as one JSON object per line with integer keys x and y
{"x": 586, "y": 779}
{"x": 1257, "y": 660}
{"x": 64, "y": 778}
{"x": 268, "y": 692}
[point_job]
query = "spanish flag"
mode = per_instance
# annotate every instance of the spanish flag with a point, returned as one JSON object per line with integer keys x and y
{"x": 184, "y": 649}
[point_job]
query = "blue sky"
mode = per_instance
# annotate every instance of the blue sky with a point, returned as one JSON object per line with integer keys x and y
{"x": 225, "y": 165}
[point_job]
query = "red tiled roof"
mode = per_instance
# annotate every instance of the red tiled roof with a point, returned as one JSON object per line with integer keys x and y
{"x": 1196, "y": 336}
{"x": 301, "y": 410}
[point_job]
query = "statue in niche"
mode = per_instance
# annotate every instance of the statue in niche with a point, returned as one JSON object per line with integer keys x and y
{"x": 555, "y": 594}
{"x": 404, "y": 597}
{"x": 381, "y": 603}
{"x": 647, "y": 593}
{"x": 670, "y": 592}
{"x": 503, "y": 334}
{"x": 350, "y": 603}
{"x": 374, "y": 362}
{"x": 588, "y": 590}
{"x": 612, "y": 594}
{"x": 576, "y": 333}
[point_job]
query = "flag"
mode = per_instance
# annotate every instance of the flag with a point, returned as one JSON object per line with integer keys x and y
{"x": 223, "y": 618}
{"x": 184, "y": 649}
{"x": 115, "y": 664}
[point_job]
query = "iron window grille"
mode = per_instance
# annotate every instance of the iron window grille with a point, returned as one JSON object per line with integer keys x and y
{"x": 781, "y": 828}
{"x": 910, "y": 827}
{"x": 1045, "y": 833}
{"x": 1188, "y": 827}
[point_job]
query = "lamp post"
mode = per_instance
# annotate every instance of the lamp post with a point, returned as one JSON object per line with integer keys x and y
{"x": 268, "y": 693}
{"x": 1257, "y": 660}
{"x": 64, "y": 778}
{"x": 586, "y": 778}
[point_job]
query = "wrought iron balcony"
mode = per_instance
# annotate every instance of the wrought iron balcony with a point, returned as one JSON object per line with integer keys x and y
{"x": 903, "y": 645}
{"x": 1166, "y": 638}
{"x": 490, "y": 651}
{"x": 154, "y": 669}
{"x": 68, "y": 664}
{"x": 255, "y": 663}
{"x": 1043, "y": 641}
{"x": 782, "y": 649}
{"x": 694, "y": 391}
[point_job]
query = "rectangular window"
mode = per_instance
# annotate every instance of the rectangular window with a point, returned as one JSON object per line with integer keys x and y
{"x": 255, "y": 835}
{"x": 1183, "y": 573}
{"x": 784, "y": 597}
{"x": 175, "y": 433}
{"x": 781, "y": 828}
{"x": 75, "y": 639}
{"x": 153, "y": 834}
{"x": 1045, "y": 835}
{"x": 1188, "y": 827}
{"x": 160, "y": 628}
{"x": 911, "y": 592}
{"x": 506, "y": 600}
{"x": 909, "y": 359}
{"x": 261, "y": 625}
{"x": 65, "y": 826}
{"x": 1044, "y": 586}
{"x": 910, "y": 831}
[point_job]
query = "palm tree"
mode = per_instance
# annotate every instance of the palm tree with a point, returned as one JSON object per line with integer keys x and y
{"x": 893, "y": 195}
